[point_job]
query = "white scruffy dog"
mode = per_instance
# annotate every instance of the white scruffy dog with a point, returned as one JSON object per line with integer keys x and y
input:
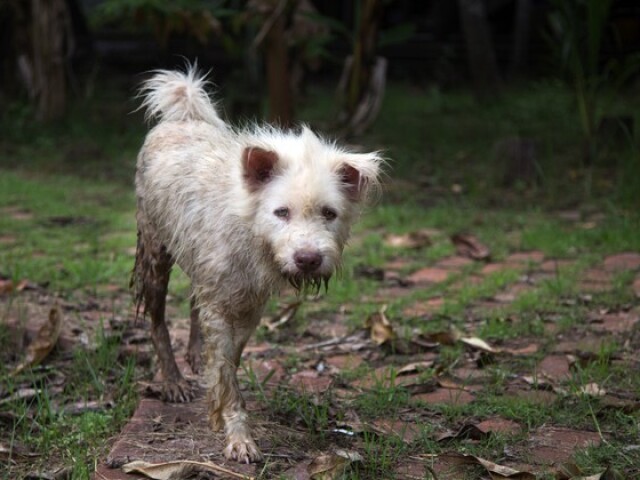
{"x": 243, "y": 213}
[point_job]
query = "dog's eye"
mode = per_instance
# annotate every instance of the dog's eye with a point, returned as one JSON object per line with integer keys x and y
{"x": 282, "y": 212}
{"x": 329, "y": 213}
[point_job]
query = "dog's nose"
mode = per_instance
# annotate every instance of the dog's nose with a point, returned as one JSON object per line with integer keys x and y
{"x": 307, "y": 261}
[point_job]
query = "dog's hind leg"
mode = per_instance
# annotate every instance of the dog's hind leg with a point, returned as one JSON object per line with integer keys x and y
{"x": 152, "y": 271}
{"x": 225, "y": 341}
{"x": 194, "y": 350}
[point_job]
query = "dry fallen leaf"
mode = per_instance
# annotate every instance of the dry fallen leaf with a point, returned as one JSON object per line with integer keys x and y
{"x": 21, "y": 394}
{"x": 467, "y": 431}
{"x": 496, "y": 471}
{"x": 609, "y": 474}
{"x": 44, "y": 342}
{"x": 8, "y": 286}
{"x": 15, "y": 451}
{"x": 593, "y": 390}
{"x": 177, "y": 470}
{"x": 83, "y": 406}
{"x": 470, "y": 246}
{"x": 283, "y": 316}
{"x": 445, "y": 382}
{"x": 415, "y": 367}
{"x": 408, "y": 432}
{"x": 380, "y": 328}
{"x": 448, "y": 337}
{"x": 453, "y": 336}
{"x": 478, "y": 344}
{"x": 417, "y": 239}
{"x": 332, "y": 466}
{"x": 526, "y": 350}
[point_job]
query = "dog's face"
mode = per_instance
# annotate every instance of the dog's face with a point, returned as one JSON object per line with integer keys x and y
{"x": 306, "y": 195}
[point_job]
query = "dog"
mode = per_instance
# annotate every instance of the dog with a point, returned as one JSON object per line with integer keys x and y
{"x": 243, "y": 212}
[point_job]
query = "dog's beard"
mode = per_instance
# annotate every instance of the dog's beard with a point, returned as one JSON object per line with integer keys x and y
{"x": 308, "y": 284}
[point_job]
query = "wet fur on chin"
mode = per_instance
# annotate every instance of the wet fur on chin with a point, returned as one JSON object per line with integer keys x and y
{"x": 309, "y": 285}
{"x": 243, "y": 213}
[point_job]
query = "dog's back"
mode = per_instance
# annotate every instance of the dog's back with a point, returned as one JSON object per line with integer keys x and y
{"x": 188, "y": 180}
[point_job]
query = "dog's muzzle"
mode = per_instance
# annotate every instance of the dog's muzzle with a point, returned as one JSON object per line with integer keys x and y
{"x": 307, "y": 261}
{"x": 308, "y": 276}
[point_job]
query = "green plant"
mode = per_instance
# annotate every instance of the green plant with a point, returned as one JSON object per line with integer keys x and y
{"x": 381, "y": 455}
{"x": 579, "y": 29}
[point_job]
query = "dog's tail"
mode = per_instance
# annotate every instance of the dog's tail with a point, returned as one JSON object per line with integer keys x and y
{"x": 174, "y": 96}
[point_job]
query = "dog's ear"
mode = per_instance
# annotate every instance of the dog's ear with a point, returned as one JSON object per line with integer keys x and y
{"x": 258, "y": 166}
{"x": 352, "y": 183}
{"x": 359, "y": 175}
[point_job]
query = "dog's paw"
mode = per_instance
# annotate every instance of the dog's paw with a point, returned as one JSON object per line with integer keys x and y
{"x": 243, "y": 451}
{"x": 181, "y": 391}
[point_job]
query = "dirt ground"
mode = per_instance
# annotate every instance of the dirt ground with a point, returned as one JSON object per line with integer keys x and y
{"x": 314, "y": 362}
{"x": 162, "y": 433}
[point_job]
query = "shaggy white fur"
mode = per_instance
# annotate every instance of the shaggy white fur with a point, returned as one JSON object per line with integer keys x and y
{"x": 242, "y": 212}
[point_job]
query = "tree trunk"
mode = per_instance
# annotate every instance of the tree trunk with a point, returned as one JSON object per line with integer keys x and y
{"x": 521, "y": 30}
{"x": 362, "y": 85}
{"x": 480, "y": 53}
{"x": 277, "y": 65}
{"x": 50, "y": 42}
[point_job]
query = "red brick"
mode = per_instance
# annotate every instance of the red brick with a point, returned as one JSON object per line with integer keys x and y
{"x": 622, "y": 261}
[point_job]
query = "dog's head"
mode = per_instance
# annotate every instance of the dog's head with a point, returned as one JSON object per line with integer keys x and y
{"x": 305, "y": 194}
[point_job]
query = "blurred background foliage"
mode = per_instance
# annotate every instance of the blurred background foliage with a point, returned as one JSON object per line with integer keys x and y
{"x": 522, "y": 94}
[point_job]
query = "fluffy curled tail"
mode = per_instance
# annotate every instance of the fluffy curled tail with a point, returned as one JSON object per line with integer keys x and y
{"x": 174, "y": 96}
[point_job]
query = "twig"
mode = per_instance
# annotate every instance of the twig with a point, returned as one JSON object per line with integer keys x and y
{"x": 326, "y": 343}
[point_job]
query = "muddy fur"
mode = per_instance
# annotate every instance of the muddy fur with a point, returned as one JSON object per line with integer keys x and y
{"x": 243, "y": 213}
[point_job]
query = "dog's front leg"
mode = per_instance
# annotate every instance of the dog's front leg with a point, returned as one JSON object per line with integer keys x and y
{"x": 225, "y": 340}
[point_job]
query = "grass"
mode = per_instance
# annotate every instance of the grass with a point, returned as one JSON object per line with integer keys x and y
{"x": 67, "y": 223}
{"x": 42, "y": 426}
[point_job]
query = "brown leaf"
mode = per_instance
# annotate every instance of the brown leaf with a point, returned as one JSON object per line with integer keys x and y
{"x": 416, "y": 239}
{"x": 467, "y": 431}
{"x": 8, "y": 286}
{"x": 499, "y": 425}
{"x": 470, "y": 246}
{"x": 496, "y": 471}
{"x": 526, "y": 350}
{"x": 15, "y": 451}
{"x": 44, "y": 342}
{"x": 445, "y": 382}
{"x": 415, "y": 367}
{"x": 556, "y": 368}
{"x": 478, "y": 344}
{"x": 83, "y": 406}
{"x": 22, "y": 394}
{"x": 332, "y": 466}
{"x": 453, "y": 336}
{"x": 445, "y": 396}
{"x": 310, "y": 381}
{"x": 379, "y": 327}
{"x": 592, "y": 390}
{"x": 286, "y": 313}
{"x": 448, "y": 337}
{"x": 176, "y": 470}
{"x": 406, "y": 431}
